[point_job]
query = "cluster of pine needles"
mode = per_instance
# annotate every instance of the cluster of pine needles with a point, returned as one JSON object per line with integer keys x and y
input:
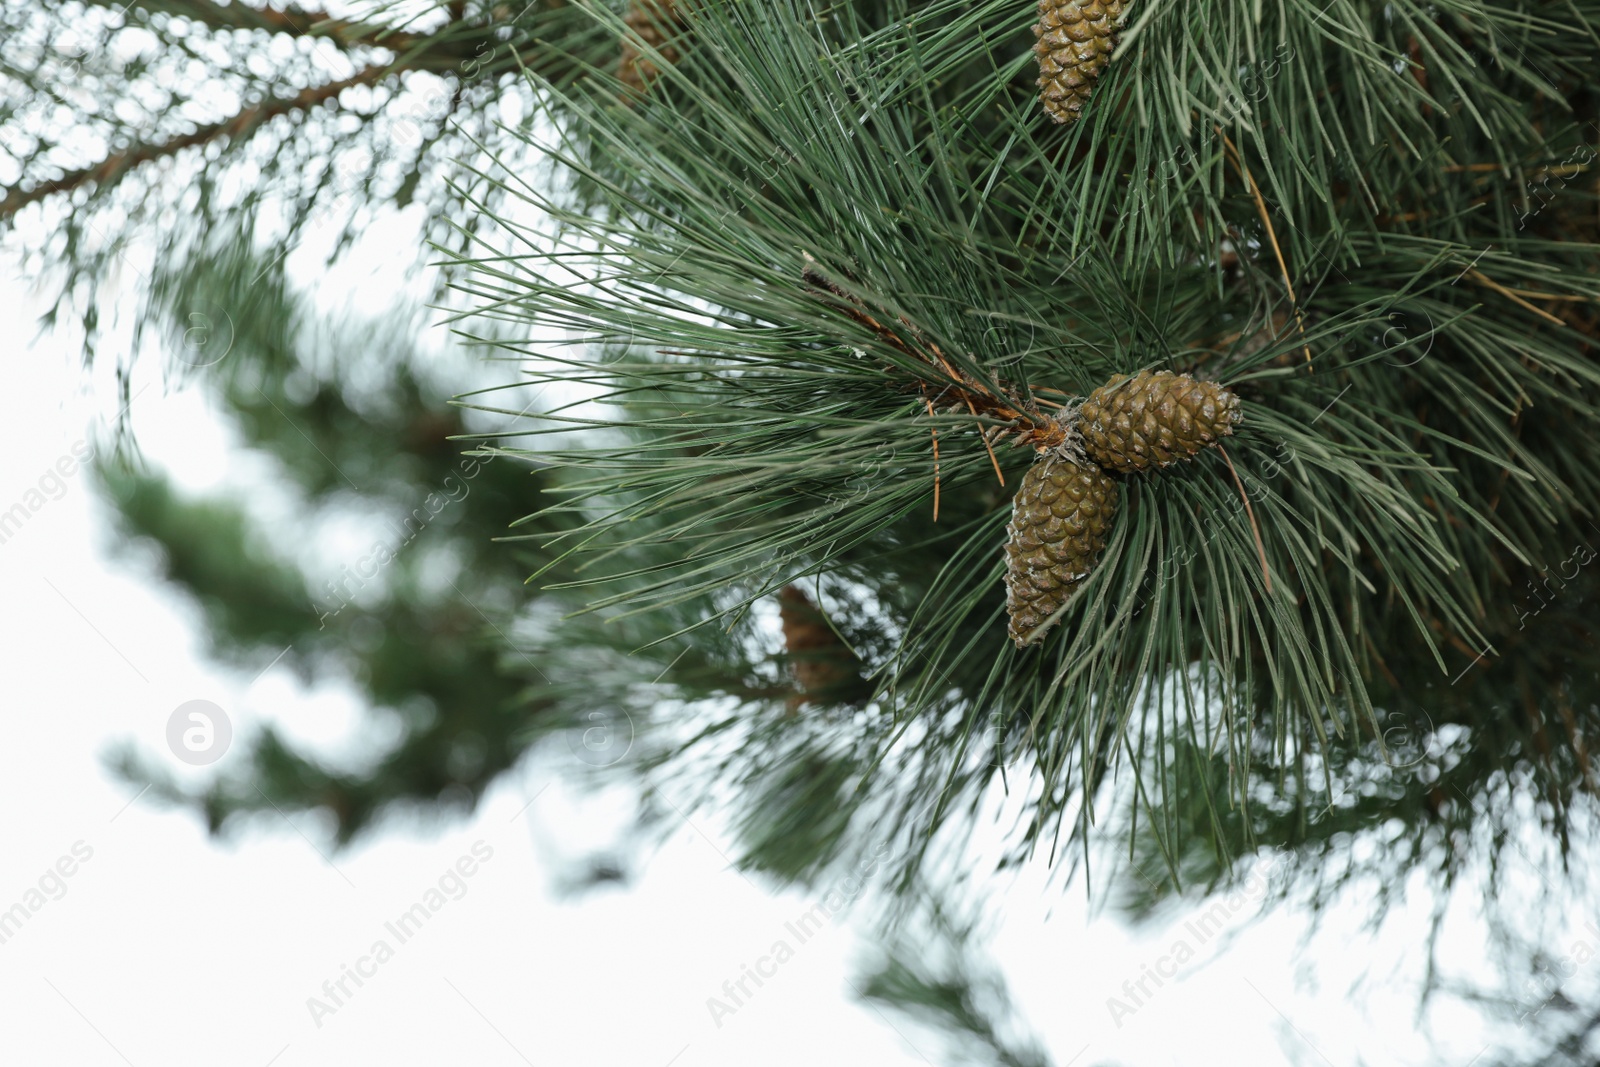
{"x": 831, "y": 256}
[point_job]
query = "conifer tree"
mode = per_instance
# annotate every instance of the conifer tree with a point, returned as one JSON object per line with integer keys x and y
{"x": 842, "y": 277}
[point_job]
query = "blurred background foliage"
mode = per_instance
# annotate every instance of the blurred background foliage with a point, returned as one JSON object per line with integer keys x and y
{"x": 420, "y": 617}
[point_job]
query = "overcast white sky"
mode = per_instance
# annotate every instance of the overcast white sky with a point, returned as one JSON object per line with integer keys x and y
{"x": 169, "y": 950}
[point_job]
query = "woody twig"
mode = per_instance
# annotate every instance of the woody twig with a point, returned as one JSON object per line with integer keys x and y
{"x": 1023, "y": 419}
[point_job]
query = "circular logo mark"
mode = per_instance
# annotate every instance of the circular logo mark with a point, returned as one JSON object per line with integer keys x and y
{"x": 198, "y": 732}
{"x": 1405, "y": 740}
{"x": 1006, "y": 335}
{"x": 207, "y": 337}
{"x": 605, "y": 741}
{"x": 1006, "y": 743}
{"x": 1403, "y": 340}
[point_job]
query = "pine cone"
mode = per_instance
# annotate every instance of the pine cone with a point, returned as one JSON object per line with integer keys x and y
{"x": 653, "y": 21}
{"x": 826, "y": 669}
{"x": 1075, "y": 39}
{"x": 1154, "y": 419}
{"x": 1059, "y": 522}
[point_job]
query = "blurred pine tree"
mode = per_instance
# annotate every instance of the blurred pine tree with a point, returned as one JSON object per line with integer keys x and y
{"x": 420, "y": 620}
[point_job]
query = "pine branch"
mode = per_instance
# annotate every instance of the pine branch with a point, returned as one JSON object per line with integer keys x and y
{"x": 297, "y": 22}
{"x": 747, "y": 427}
{"x": 444, "y": 51}
{"x": 239, "y": 127}
{"x": 78, "y": 124}
{"x": 958, "y": 390}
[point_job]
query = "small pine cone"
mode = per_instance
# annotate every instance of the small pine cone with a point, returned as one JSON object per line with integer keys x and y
{"x": 1059, "y": 523}
{"x": 653, "y": 21}
{"x": 1154, "y": 419}
{"x": 825, "y": 669}
{"x": 1075, "y": 39}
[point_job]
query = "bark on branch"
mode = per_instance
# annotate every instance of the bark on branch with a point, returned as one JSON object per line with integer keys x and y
{"x": 117, "y": 165}
{"x": 298, "y": 22}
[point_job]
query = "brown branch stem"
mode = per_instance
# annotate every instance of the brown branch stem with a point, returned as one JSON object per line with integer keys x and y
{"x": 298, "y": 22}
{"x": 117, "y": 165}
{"x": 1031, "y": 425}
